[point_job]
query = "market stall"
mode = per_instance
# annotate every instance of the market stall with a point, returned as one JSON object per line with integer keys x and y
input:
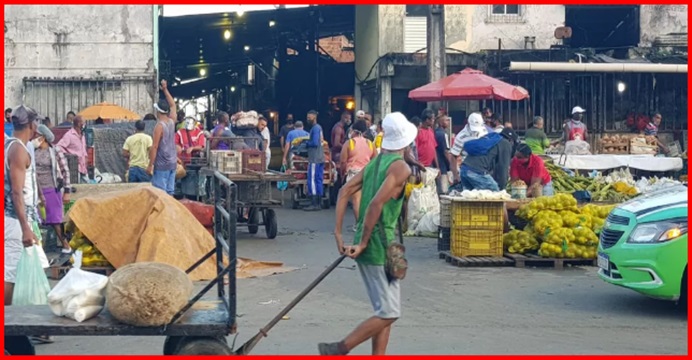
{"x": 608, "y": 162}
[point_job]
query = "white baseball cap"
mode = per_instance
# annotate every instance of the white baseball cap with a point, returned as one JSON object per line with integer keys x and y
{"x": 398, "y": 132}
{"x": 577, "y": 110}
{"x": 360, "y": 113}
{"x": 476, "y": 122}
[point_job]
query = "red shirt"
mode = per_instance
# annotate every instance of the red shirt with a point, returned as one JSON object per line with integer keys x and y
{"x": 426, "y": 145}
{"x": 534, "y": 169}
{"x": 196, "y": 138}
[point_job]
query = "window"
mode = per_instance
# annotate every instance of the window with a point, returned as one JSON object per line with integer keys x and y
{"x": 416, "y": 10}
{"x": 505, "y": 9}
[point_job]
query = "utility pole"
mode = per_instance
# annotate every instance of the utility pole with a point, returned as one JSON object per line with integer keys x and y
{"x": 436, "y": 47}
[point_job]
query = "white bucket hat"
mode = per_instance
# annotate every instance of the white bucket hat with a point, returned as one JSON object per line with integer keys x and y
{"x": 398, "y": 132}
{"x": 578, "y": 110}
{"x": 476, "y": 122}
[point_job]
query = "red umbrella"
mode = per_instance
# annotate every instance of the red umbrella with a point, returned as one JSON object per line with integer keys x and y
{"x": 468, "y": 84}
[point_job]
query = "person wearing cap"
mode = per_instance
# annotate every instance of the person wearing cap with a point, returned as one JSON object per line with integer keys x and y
{"x": 486, "y": 167}
{"x": 530, "y": 169}
{"x": 8, "y": 122}
{"x": 163, "y": 155}
{"x": 21, "y": 196}
{"x": 316, "y": 160}
{"x": 296, "y": 133}
{"x": 53, "y": 176}
{"x": 340, "y": 135}
{"x": 74, "y": 143}
{"x": 283, "y": 132}
{"x": 355, "y": 155}
{"x": 475, "y": 128}
{"x": 382, "y": 184}
{"x": 189, "y": 140}
{"x": 136, "y": 151}
{"x": 575, "y": 127}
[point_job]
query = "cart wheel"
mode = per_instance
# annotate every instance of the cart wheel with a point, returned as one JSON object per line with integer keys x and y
{"x": 253, "y": 220}
{"x": 203, "y": 346}
{"x": 171, "y": 344}
{"x": 295, "y": 204}
{"x": 270, "y": 223}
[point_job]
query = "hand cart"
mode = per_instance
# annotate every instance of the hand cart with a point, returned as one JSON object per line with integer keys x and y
{"x": 199, "y": 328}
{"x": 299, "y": 199}
{"x": 194, "y": 330}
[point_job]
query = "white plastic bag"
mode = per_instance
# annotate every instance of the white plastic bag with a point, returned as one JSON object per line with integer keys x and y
{"x": 86, "y": 313}
{"x": 428, "y": 224}
{"x": 423, "y": 200}
{"x": 78, "y": 290}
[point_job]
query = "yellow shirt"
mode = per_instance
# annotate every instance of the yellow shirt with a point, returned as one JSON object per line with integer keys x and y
{"x": 378, "y": 141}
{"x": 138, "y": 146}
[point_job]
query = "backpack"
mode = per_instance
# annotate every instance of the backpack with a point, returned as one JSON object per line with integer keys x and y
{"x": 482, "y": 145}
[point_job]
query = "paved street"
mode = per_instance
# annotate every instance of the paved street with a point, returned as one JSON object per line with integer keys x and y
{"x": 446, "y": 310}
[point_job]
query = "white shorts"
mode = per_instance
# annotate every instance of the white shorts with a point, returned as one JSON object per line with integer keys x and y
{"x": 384, "y": 296}
{"x": 351, "y": 173}
{"x": 14, "y": 247}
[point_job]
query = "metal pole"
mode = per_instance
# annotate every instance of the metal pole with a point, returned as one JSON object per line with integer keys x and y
{"x": 436, "y": 48}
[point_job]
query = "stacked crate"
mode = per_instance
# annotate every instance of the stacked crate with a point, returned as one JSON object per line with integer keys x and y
{"x": 226, "y": 161}
{"x": 254, "y": 161}
{"x": 477, "y": 228}
{"x": 444, "y": 232}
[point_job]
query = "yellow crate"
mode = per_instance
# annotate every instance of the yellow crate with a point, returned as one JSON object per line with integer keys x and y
{"x": 487, "y": 215}
{"x": 477, "y": 242}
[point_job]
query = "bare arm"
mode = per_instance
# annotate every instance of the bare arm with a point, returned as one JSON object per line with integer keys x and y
{"x": 19, "y": 162}
{"x": 158, "y": 133}
{"x": 393, "y": 185}
{"x": 285, "y": 147}
{"x": 169, "y": 97}
{"x": 343, "y": 163}
{"x": 346, "y": 192}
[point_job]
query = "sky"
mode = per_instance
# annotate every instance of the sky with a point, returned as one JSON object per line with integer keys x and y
{"x": 181, "y": 10}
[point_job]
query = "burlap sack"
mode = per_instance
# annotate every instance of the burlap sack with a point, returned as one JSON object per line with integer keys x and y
{"x": 147, "y": 294}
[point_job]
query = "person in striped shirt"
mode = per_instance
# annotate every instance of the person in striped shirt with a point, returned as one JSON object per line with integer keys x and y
{"x": 651, "y": 129}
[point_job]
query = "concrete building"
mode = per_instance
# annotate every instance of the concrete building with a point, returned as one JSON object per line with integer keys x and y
{"x": 64, "y": 58}
{"x": 390, "y": 44}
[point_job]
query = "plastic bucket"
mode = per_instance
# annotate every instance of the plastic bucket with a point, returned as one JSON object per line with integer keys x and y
{"x": 518, "y": 192}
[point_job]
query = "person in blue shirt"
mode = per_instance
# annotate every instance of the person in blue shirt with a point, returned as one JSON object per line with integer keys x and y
{"x": 315, "y": 163}
{"x": 9, "y": 128}
{"x": 297, "y": 132}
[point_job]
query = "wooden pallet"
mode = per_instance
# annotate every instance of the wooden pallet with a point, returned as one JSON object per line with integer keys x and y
{"x": 475, "y": 261}
{"x": 522, "y": 261}
{"x": 57, "y": 272}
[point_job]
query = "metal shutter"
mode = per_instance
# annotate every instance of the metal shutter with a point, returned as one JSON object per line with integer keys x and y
{"x": 415, "y": 33}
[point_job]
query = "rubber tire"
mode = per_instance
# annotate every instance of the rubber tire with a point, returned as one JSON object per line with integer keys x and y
{"x": 171, "y": 344}
{"x": 295, "y": 204}
{"x": 253, "y": 218}
{"x": 270, "y": 224}
{"x": 683, "y": 292}
{"x": 203, "y": 346}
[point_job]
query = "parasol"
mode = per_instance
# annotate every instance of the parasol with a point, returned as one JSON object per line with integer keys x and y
{"x": 468, "y": 84}
{"x": 106, "y": 110}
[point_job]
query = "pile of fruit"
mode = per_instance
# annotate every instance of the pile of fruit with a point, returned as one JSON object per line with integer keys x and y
{"x": 519, "y": 242}
{"x": 601, "y": 190}
{"x": 91, "y": 256}
{"x": 558, "y": 228}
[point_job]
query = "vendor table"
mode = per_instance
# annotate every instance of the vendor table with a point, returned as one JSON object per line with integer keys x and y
{"x": 607, "y": 162}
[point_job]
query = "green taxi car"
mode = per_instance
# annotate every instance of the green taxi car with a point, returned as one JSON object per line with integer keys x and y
{"x": 643, "y": 245}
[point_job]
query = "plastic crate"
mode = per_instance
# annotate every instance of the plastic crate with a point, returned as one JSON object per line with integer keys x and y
{"x": 486, "y": 215}
{"x": 478, "y": 242}
{"x": 443, "y": 238}
{"x": 445, "y": 212}
{"x": 254, "y": 161}
{"x": 227, "y": 161}
{"x": 254, "y": 191}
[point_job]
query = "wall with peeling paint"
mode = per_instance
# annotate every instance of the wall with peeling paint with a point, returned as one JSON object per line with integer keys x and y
{"x": 657, "y": 20}
{"x": 471, "y": 28}
{"x": 86, "y": 41}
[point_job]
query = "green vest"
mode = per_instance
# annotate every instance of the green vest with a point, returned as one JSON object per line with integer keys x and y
{"x": 374, "y": 254}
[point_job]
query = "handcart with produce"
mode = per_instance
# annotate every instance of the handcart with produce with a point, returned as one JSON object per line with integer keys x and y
{"x": 298, "y": 168}
{"x": 200, "y": 327}
{"x": 242, "y": 161}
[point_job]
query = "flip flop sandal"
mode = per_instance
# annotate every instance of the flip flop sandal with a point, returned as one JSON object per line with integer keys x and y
{"x": 42, "y": 339}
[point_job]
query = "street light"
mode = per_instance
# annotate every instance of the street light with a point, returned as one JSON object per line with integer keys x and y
{"x": 621, "y": 87}
{"x": 227, "y": 34}
{"x": 232, "y": 88}
{"x": 202, "y": 72}
{"x": 247, "y": 48}
{"x": 272, "y": 23}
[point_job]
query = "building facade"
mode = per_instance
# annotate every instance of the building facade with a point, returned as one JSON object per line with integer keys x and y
{"x": 66, "y": 58}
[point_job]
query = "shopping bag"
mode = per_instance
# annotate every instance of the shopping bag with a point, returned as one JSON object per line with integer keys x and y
{"x": 282, "y": 185}
{"x": 31, "y": 286}
{"x": 77, "y": 289}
